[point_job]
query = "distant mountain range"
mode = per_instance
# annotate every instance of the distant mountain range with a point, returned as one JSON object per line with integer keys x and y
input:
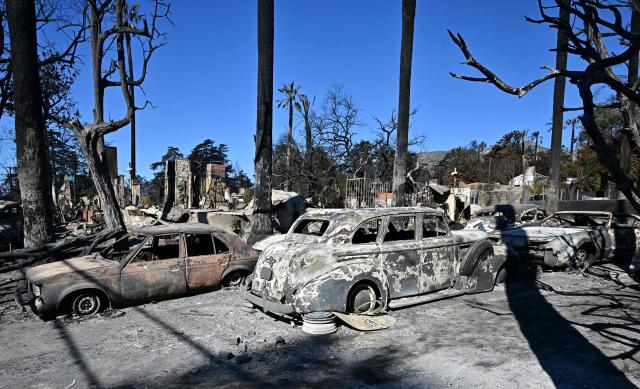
{"x": 434, "y": 157}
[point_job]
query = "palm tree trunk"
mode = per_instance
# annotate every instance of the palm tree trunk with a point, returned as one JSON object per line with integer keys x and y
{"x": 573, "y": 140}
{"x": 289, "y": 145}
{"x": 261, "y": 223}
{"x": 33, "y": 163}
{"x": 557, "y": 115}
{"x": 404, "y": 98}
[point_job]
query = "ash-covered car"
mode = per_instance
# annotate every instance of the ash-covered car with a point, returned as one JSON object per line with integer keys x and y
{"x": 11, "y": 222}
{"x": 574, "y": 238}
{"x": 150, "y": 264}
{"x": 364, "y": 261}
{"x": 501, "y": 216}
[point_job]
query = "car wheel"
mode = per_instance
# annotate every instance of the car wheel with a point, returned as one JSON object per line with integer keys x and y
{"x": 233, "y": 279}
{"x": 480, "y": 251}
{"x": 582, "y": 259}
{"x": 502, "y": 275}
{"x": 86, "y": 304}
{"x": 363, "y": 299}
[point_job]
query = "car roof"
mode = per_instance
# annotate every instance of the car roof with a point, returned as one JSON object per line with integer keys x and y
{"x": 517, "y": 208}
{"x": 358, "y": 215}
{"x": 194, "y": 228}
{"x": 603, "y": 213}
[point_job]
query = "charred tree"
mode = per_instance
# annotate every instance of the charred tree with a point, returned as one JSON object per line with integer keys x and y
{"x": 261, "y": 224}
{"x": 31, "y": 150}
{"x": 595, "y": 23}
{"x": 627, "y": 107}
{"x": 404, "y": 97}
{"x": 91, "y": 136}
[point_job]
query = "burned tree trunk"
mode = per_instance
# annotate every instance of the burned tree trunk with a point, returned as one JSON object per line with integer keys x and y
{"x": 91, "y": 136}
{"x": 627, "y": 107}
{"x": 557, "y": 121}
{"x": 261, "y": 223}
{"x": 406, "y": 51}
{"x": 31, "y": 151}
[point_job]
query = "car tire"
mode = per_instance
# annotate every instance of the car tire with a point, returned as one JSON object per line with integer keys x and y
{"x": 582, "y": 259}
{"x": 363, "y": 299}
{"x": 235, "y": 278}
{"x": 86, "y": 304}
{"x": 477, "y": 252}
{"x": 502, "y": 276}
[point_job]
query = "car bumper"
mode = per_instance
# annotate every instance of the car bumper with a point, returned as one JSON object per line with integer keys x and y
{"x": 23, "y": 296}
{"x": 264, "y": 303}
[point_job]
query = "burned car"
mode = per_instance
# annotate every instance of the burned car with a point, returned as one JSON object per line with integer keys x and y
{"x": 150, "y": 264}
{"x": 574, "y": 238}
{"x": 501, "y": 216}
{"x": 364, "y": 261}
{"x": 11, "y": 222}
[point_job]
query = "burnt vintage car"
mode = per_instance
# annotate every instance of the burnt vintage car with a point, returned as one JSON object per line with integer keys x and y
{"x": 150, "y": 264}
{"x": 364, "y": 261}
{"x": 574, "y": 238}
{"x": 501, "y": 216}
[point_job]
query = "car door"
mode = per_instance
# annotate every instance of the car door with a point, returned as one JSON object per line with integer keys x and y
{"x": 207, "y": 258}
{"x": 400, "y": 255}
{"x": 622, "y": 232}
{"x": 156, "y": 271}
{"x": 438, "y": 255}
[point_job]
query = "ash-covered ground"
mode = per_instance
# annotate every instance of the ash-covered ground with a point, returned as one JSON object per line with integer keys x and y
{"x": 562, "y": 330}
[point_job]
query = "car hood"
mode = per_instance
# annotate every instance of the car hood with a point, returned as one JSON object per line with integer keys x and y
{"x": 489, "y": 223}
{"x": 40, "y": 273}
{"x": 467, "y": 236}
{"x": 295, "y": 263}
{"x": 540, "y": 233}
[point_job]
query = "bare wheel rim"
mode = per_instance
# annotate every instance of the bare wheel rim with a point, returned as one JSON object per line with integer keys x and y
{"x": 581, "y": 258}
{"x": 86, "y": 305}
{"x": 364, "y": 300}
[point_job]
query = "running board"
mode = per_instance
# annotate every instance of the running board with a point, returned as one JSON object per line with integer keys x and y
{"x": 425, "y": 298}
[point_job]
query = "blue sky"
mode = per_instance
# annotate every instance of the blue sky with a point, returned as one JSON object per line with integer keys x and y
{"x": 203, "y": 82}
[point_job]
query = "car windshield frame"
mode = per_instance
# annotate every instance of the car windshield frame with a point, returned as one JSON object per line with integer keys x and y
{"x": 104, "y": 252}
{"x": 300, "y": 221}
{"x": 571, "y": 222}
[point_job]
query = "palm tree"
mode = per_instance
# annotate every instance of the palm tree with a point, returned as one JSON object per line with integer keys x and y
{"x": 261, "y": 223}
{"x": 572, "y": 122}
{"x": 536, "y": 135}
{"x": 290, "y": 92}
{"x": 404, "y": 99}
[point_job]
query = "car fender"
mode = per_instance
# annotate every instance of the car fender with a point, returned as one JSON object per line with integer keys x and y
{"x": 80, "y": 286}
{"x": 241, "y": 266}
{"x": 330, "y": 291}
{"x": 483, "y": 276}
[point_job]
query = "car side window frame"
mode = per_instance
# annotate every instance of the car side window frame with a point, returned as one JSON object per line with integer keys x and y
{"x": 133, "y": 253}
{"x": 387, "y": 221}
{"x": 222, "y": 238}
{"x": 378, "y": 237}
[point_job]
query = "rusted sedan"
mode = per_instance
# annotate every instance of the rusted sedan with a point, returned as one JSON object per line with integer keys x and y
{"x": 364, "y": 261}
{"x": 150, "y": 264}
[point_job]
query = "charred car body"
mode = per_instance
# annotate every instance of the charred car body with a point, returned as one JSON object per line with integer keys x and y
{"x": 153, "y": 263}
{"x": 574, "y": 238}
{"x": 501, "y": 216}
{"x": 365, "y": 260}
